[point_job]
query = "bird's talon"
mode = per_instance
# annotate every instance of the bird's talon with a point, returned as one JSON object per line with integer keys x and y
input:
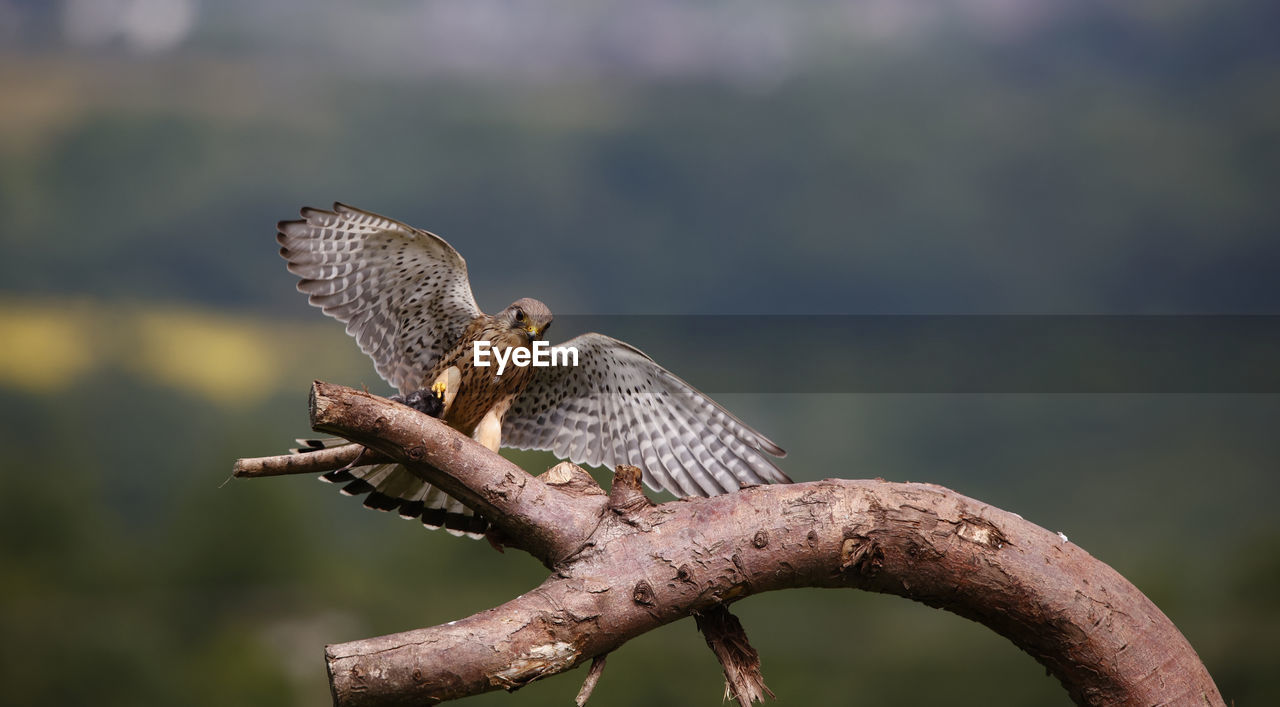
{"x": 429, "y": 404}
{"x": 439, "y": 388}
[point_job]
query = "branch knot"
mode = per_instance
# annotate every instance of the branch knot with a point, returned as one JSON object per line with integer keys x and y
{"x": 626, "y": 496}
{"x": 643, "y": 593}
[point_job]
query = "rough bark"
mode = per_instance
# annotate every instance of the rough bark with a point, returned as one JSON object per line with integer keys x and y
{"x": 316, "y": 462}
{"x": 622, "y": 566}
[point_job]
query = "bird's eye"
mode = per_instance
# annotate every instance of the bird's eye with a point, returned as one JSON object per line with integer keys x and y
{"x": 519, "y": 315}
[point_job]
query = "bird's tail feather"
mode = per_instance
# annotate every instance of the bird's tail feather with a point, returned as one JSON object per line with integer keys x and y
{"x": 391, "y": 487}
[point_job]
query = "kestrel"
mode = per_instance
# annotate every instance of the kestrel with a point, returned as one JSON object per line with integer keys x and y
{"x": 405, "y": 297}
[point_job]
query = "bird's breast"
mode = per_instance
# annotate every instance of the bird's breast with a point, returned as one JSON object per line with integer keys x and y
{"x": 483, "y": 388}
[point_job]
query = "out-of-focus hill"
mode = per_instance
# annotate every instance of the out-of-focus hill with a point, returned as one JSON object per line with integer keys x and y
{"x": 1097, "y": 161}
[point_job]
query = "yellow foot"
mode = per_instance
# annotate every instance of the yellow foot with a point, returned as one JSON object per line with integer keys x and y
{"x": 446, "y": 387}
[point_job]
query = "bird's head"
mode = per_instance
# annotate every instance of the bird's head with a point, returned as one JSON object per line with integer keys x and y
{"x": 529, "y": 316}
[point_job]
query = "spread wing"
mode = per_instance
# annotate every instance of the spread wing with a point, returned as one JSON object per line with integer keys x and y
{"x": 618, "y": 406}
{"x": 402, "y": 292}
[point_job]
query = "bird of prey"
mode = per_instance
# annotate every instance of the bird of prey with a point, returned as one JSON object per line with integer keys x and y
{"x": 405, "y": 297}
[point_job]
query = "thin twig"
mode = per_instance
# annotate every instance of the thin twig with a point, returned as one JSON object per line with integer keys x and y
{"x": 593, "y": 677}
{"x": 316, "y": 462}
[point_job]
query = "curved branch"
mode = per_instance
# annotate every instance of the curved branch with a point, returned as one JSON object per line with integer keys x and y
{"x": 625, "y": 566}
{"x": 547, "y": 522}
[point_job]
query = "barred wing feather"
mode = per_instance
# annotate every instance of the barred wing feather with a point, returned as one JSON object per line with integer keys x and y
{"x": 402, "y": 292}
{"x": 618, "y": 406}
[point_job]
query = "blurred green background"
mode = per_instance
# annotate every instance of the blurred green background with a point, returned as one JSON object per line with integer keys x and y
{"x": 643, "y": 157}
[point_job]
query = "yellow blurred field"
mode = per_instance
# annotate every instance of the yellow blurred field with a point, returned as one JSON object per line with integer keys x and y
{"x": 50, "y": 344}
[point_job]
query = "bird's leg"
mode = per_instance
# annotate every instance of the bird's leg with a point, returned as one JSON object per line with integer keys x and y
{"x": 489, "y": 431}
{"x": 436, "y": 400}
{"x": 446, "y": 387}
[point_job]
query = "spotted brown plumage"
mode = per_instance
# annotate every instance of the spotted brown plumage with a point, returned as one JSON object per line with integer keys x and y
{"x": 405, "y": 297}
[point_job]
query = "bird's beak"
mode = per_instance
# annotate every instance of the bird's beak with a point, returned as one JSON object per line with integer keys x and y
{"x": 533, "y": 332}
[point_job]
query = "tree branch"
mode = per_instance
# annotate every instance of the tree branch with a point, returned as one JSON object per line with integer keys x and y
{"x": 740, "y": 662}
{"x": 593, "y": 677}
{"x": 311, "y": 462}
{"x": 623, "y": 566}
{"x": 549, "y": 521}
